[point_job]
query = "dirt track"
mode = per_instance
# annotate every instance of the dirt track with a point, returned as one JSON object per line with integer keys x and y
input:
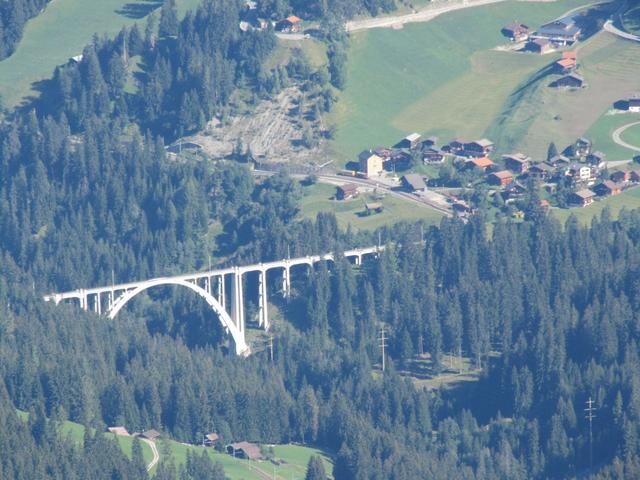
{"x": 616, "y": 136}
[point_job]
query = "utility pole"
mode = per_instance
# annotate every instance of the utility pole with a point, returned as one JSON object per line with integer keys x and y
{"x": 271, "y": 347}
{"x": 590, "y": 416}
{"x": 383, "y": 345}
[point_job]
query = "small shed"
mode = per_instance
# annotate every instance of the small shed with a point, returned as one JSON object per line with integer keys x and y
{"x": 246, "y": 450}
{"x": 573, "y": 80}
{"x": 373, "y": 207}
{"x": 152, "y": 435}
{"x": 539, "y": 45}
{"x": 346, "y": 191}
{"x": 582, "y": 197}
{"x": 210, "y": 439}
{"x": 414, "y": 182}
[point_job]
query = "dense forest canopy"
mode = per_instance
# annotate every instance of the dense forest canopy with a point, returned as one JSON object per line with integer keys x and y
{"x": 548, "y": 311}
{"x": 14, "y": 15}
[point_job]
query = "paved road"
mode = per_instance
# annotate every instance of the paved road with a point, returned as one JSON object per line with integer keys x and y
{"x": 611, "y": 28}
{"x": 428, "y": 13}
{"x": 617, "y": 137}
{"x": 292, "y": 36}
{"x": 154, "y": 450}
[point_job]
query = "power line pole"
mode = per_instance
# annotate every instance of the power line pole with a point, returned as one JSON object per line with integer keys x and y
{"x": 383, "y": 345}
{"x": 590, "y": 416}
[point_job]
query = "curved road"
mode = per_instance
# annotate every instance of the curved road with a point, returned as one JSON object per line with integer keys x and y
{"x": 154, "y": 450}
{"x": 616, "y": 136}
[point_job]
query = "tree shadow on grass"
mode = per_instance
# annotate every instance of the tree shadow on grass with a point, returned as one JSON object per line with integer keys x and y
{"x": 140, "y": 9}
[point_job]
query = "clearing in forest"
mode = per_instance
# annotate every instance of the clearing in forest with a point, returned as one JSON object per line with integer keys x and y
{"x": 60, "y": 32}
{"x": 441, "y": 77}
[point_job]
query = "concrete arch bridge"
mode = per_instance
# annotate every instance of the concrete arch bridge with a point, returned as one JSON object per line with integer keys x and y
{"x": 222, "y": 289}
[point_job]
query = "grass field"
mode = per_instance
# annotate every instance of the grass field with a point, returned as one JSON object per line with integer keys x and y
{"x": 629, "y": 200}
{"x": 318, "y": 198}
{"x": 61, "y": 32}
{"x": 632, "y": 134}
{"x": 441, "y": 77}
{"x": 600, "y": 133}
{"x": 631, "y": 20}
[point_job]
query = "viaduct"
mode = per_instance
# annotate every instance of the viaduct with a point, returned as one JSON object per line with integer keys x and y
{"x": 212, "y": 286}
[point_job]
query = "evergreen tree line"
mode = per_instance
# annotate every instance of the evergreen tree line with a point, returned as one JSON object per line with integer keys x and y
{"x": 14, "y": 15}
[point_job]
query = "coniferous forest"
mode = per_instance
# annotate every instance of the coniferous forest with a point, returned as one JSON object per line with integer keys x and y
{"x": 14, "y": 15}
{"x": 549, "y": 312}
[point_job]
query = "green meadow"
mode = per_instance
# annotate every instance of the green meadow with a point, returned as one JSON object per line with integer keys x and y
{"x": 629, "y": 200}
{"x": 440, "y": 77}
{"x": 60, "y": 32}
{"x": 319, "y": 198}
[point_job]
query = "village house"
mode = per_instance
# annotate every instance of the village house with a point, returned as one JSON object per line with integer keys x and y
{"x": 410, "y": 141}
{"x": 455, "y": 146}
{"x": 573, "y": 80}
{"x": 620, "y": 176}
{"x": 582, "y": 197}
{"x": 291, "y": 24}
{"x": 400, "y": 159}
{"x": 414, "y": 182}
{"x": 514, "y": 191}
{"x": 581, "y": 173}
{"x": 516, "y": 32}
{"x": 565, "y": 65}
{"x": 607, "y": 188}
{"x": 634, "y": 176}
{"x": 479, "y": 148}
{"x": 502, "y": 178}
{"x": 429, "y": 142}
{"x": 517, "y": 162}
{"x": 370, "y": 164}
{"x": 582, "y": 147}
{"x": 152, "y": 435}
{"x": 346, "y": 191}
{"x": 596, "y": 158}
{"x": 245, "y": 450}
{"x": 541, "y": 171}
{"x": 559, "y": 161}
{"x": 482, "y": 163}
{"x": 634, "y": 105}
{"x": 433, "y": 155}
{"x": 563, "y": 31}
{"x": 539, "y": 45}
{"x": 210, "y": 439}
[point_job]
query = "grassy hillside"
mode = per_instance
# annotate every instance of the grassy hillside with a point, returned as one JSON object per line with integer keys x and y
{"x": 318, "y": 198}
{"x": 290, "y": 460}
{"x": 536, "y": 114}
{"x": 629, "y": 200}
{"x": 440, "y": 77}
{"x": 61, "y": 32}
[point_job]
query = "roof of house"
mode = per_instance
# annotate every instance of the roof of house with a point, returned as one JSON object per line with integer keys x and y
{"x": 413, "y": 137}
{"x": 151, "y": 434}
{"x": 610, "y": 185}
{"x": 570, "y": 55}
{"x": 293, "y": 19}
{"x": 543, "y": 42}
{"x": 567, "y": 62}
{"x": 415, "y": 181}
{"x": 348, "y": 187}
{"x": 584, "y": 141}
{"x": 503, "y": 174}
{"x": 559, "y": 158}
{"x": 634, "y": 101}
{"x": 575, "y": 76}
{"x": 563, "y": 26}
{"x": 516, "y": 27}
{"x": 518, "y": 157}
{"x": 212, "y": 437}
{"x": 483, "y": 142}
{"x": 366, "y": 155}
{"x": 373, "y": 206}
{"x": 482, "y": 162}
{"x": 585, "y": 193}
{"x": 123, "y": 432}
{"x": 251, "y": 450}
{"x": 542, "y": 166}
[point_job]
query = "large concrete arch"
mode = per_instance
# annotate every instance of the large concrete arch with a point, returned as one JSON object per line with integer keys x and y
{"x": 238, "y": 336}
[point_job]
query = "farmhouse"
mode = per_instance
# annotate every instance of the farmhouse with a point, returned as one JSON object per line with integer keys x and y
{"x": 152, "y": 435}
{"x": 561, "y": 32}
{"x": 433, "y": 155}
{"x": 288, "y": 25}
{"x": 517, "y": 162}
{"x": 410, "y": 141}
{"x": 541, "y": 171}
{"x": 634, "y": 105}
{"x": 565, "y": 65}
{"x": 582, "y": 197}
{"x": 573, "y": 80}
{"x": 620, "y": 176}
{"x": 539, "y": 45}
{"x": 634, "y": 176}
{"x": 501, "y": 178}
{"x": 210, "y": 439}
{"x": 414, "y": 182}
{"x": 479, "y": 148}
{"x": 516, "y": 32}
{"x": 346, "y": 191}
{"x": 482, "y": 163}
{"x": 244, "y": 450}
{"x": 607, "y": 188}
{"x": 514, "y": 191}
{"x": 582, "y": 147}
{"x": 370, "y": 163}
{"x": 596, "y": 158}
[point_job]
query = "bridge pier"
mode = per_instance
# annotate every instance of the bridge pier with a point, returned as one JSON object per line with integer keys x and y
{"x": 286, "y": 281}
{"x": 237, "y": 301}
{"x": 222, "y": 297}
{"x": 263, "y": 317}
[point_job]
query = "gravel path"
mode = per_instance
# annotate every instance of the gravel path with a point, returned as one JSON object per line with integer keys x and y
{"x": 616, "y": 136}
